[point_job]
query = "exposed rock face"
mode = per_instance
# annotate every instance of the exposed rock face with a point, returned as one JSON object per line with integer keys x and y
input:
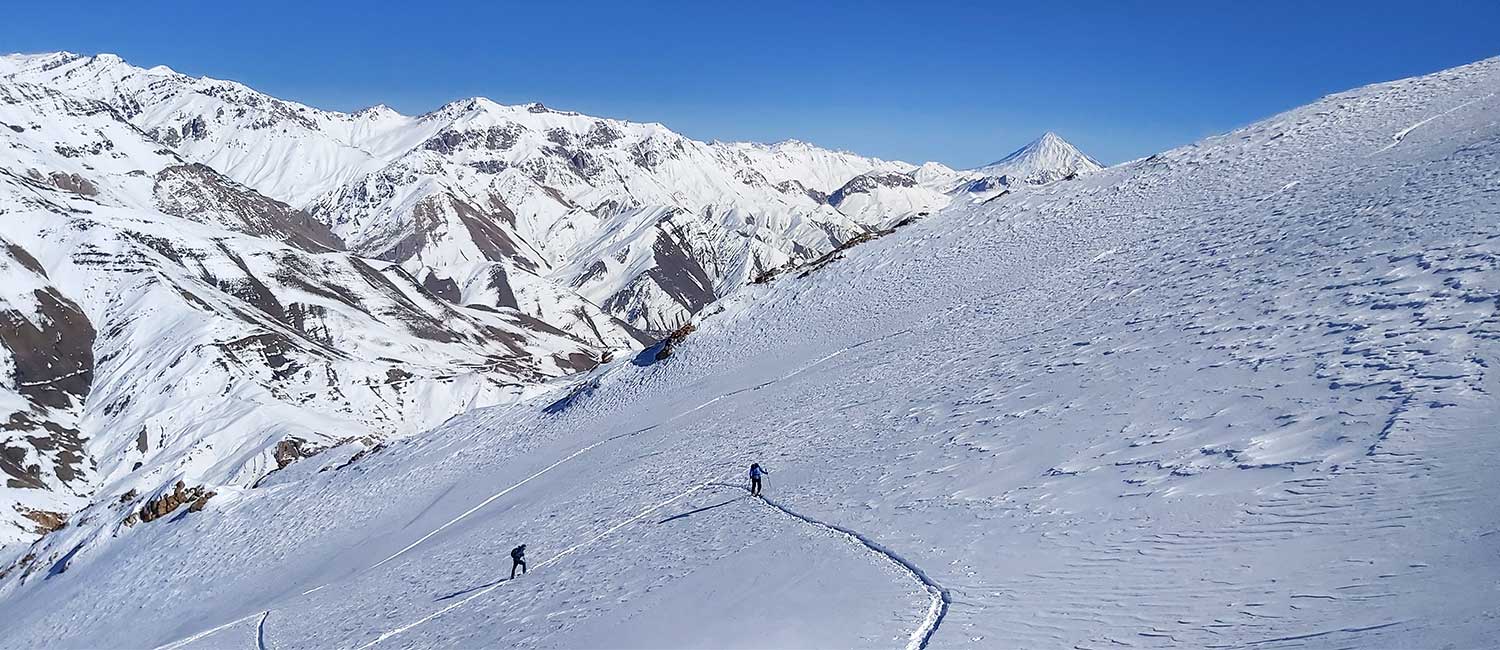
{"x": 70, "y": 182}
{"x": 445, "y": 288}
{"x": 866, "y": 183}
{"x": 290, "y": 451}
{"x": 883, "y": 197}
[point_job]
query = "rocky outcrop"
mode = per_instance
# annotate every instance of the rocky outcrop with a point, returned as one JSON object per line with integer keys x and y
{"x": 46, "y": 521}
{"x": 837, "y": 253}
{"x": 290, "y": 451}
{"x": 195, "y": 498}
{"x": 68, "y": 182}
{"x": 669, "y": 344}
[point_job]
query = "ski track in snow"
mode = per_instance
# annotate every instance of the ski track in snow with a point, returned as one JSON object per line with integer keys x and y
{"x": 210, "y": 632}
{"x": 940, "y": 596}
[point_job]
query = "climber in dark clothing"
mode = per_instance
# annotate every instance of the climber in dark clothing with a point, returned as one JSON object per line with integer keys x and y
{"x": 755, "y": 473}
{"x": 518, "y": 559}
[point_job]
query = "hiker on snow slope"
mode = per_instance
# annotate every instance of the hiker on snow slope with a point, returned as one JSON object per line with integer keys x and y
{"x": 755, "y": 473}
{"x": 518, "y": 559}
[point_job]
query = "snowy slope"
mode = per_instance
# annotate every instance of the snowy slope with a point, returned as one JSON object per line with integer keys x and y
{"x": 1239, "y": 394}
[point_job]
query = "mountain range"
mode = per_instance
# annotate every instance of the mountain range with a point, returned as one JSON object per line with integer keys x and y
{"x": 215, "y": 282}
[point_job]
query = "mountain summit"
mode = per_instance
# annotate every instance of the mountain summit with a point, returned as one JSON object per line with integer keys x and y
{"x": 1045, "y": 159}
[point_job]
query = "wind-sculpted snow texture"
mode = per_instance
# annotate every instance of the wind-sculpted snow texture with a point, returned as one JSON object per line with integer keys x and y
{"x": 1238, "y": 394}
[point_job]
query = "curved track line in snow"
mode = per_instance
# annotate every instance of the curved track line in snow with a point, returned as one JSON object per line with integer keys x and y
{"x": 260, "y": 631}
{"x": 941, "y": 599}
{"x": 560, "y": 555}
{"x": 210, "y": 632}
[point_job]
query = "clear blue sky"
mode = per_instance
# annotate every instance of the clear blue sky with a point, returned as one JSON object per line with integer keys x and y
{"x": 962, "y": 83}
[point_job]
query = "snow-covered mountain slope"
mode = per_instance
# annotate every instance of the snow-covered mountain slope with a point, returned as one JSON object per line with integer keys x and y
{"x": 524, "y": 189}
{"x": 1239, "y": 394}
{"x": 1044, "y": 160}
{"x": 192, "y": 329}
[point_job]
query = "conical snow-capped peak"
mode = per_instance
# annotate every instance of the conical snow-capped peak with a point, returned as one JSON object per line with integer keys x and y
{"x": 1044, "y": 160}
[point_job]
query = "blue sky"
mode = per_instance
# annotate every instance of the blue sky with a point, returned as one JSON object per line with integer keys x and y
{"x": 962, "y": 83}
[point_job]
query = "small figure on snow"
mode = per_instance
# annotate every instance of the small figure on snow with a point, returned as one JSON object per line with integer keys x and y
{"x": 755, "y": 473}
{"x": 518, "y": 559}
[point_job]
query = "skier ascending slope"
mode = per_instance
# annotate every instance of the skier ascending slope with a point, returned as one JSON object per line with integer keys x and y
{"x": 755, "y": 473}
{"x": 518, "y": 559}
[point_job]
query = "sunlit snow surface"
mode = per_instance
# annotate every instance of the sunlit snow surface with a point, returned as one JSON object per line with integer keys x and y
{"x": 1240, "y": 394}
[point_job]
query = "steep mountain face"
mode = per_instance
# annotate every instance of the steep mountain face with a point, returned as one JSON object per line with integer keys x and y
{"x": 165, "y": 323}
{"x": 1239, "y": 394}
